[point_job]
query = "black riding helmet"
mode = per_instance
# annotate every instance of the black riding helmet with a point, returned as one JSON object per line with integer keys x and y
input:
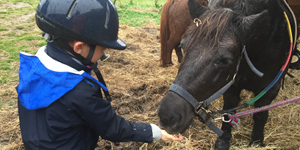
{"x": 91, "y": 21}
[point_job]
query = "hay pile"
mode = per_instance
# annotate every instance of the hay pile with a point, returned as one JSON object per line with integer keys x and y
{"x": 137, "y": 83}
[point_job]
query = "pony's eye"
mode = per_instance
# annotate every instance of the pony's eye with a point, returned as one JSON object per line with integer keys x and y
{"x": 183, "y": 44}
{"x": 223, "y": 62}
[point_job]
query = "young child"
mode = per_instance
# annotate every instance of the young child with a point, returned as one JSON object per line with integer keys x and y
{"x": 60, "y": 104}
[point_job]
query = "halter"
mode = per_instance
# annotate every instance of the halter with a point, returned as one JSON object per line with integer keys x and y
{"x": 199, "y": 107}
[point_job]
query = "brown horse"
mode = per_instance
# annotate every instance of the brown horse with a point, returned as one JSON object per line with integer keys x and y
{"x": 175, "y": 19}
{"x": 295, "y": 6}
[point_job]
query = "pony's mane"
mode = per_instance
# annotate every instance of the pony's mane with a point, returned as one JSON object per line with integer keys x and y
{"x": 246, "y": 7}
{"x": 212, "y": 27}
{"x": 216, "y": 21}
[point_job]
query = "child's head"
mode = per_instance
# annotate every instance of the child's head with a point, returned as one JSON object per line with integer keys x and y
{"x": 94, "y": 22}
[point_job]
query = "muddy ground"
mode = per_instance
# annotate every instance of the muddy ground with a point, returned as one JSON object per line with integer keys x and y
{"x": 137, "y": 83}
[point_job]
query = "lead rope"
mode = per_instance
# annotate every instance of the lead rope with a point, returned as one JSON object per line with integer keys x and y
{"x": 264, "y": 108}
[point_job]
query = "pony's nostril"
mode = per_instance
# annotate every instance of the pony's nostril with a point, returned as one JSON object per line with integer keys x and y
{"x": 179, "y": 117}
{"x": 176, "y": 118}
{"x": 169, "y": 121}
{"x": 164, "y": 121}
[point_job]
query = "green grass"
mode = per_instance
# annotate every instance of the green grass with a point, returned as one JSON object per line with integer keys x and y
{"x": 139, "y": 12}
{"x": 11, "y": 103}
{"x": 141, "y": 3}
{"x": 19, "y": 27}
{"x": 3, "y": 79}
{"x": 32, "y": 2}
{"x": 3, "y": 29}
{"x": 133, "y": 18}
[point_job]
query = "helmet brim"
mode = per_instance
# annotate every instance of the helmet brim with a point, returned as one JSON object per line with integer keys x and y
{"x": 119, "y": 44}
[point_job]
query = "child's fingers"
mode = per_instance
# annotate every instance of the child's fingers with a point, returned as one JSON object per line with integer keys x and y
{"x": 179, "y": 138}
{"x": 167, "y": 137}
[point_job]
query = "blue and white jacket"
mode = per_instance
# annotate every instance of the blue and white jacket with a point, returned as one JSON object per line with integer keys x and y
{"x": 61, "y": 106}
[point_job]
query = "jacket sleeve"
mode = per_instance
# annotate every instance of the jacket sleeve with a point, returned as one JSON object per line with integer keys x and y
{"x": 99, "y": 115}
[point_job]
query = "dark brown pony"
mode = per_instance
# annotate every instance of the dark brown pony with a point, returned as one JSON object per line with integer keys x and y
{"x": 174, "y": 21}
{"x": 215, "y": 57}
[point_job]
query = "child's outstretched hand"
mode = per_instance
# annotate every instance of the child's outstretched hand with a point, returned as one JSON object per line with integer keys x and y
{"x": 168, "y": 137}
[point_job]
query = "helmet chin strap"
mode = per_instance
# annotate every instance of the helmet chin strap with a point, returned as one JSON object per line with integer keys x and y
{"x": 100, "y": 79}
{"x": 88, "y": 60}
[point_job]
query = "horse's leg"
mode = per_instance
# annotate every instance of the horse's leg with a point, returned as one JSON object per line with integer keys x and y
{"x": 172, "y": 43}
{"x": 168, "y": 55}
{"x": 166, "y": 52}
{"x": 179, "y": 53}
{"x": 231, "y": 99}
{"x": 260, "y": 119}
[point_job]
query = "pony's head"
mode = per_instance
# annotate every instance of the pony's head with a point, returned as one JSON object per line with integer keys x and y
{"x": 212, "y": 47}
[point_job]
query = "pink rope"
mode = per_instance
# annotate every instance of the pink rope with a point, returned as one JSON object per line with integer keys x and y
{"x": 264, "y": 108}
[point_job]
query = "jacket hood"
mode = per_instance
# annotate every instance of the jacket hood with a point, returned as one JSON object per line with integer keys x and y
{"x": 43, "y": 80}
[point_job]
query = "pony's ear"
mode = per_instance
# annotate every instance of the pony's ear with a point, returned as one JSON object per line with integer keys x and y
{"x": 196, "y": 9}
{"x": 246, "y": 25}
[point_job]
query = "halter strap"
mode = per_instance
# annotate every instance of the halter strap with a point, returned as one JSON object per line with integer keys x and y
{"x": 252, "y": 67}
{"x": 202, "y": 115}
